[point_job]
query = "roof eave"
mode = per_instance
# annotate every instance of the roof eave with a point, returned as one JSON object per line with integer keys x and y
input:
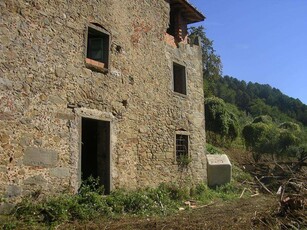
{"x": 190, "y": 12}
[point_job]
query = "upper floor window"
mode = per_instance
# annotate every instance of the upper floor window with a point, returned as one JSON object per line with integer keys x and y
{"x": 182, "y": 13}
{"x": 179, "y": 79}
{"x": 97, "y": 48}
{"x": 177, "y": 26}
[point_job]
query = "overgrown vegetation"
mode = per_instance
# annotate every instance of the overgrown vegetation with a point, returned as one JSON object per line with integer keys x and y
{"x": 269, "y": 124}
{"x": 223, "y": 126}
{"x": 269, "y": 133}
{"x": 255, "y": 116}
{"x": 90, "y": 203}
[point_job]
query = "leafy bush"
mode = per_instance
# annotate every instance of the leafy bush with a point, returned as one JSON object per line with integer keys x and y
{"x": 174, "y": 191}
{"x": 90, "y": 202}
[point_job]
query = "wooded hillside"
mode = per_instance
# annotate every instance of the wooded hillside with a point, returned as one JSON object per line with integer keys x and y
{"x": 257, "y": 99}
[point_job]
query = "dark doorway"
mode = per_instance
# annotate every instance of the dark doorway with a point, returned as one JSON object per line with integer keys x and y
{"x": 95, "y": 152}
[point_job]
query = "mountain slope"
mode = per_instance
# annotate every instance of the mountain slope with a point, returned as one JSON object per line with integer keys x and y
{"x": 257, "y": 99}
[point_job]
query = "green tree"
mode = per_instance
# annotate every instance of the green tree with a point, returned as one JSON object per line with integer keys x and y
{"x": 291, "y": 140}
{"x": 257, "y": 99}
{"x": 293, "y": 143}
{"x": 260, "y": 137}
{"x": 212, "y": 68}
{"x": 221, "y": 124}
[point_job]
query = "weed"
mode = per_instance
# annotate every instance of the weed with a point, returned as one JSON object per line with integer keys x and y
{"x": 184, "y": 161}
{"x": 174, "y": 191}
{"x": 9, "y": 226}
{"x": 213, "y": 150}
{"x": 239, "y": 175}
{"x": 90, "y": 203}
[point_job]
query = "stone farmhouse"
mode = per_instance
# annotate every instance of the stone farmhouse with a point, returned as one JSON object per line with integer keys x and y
{"x": 108, "y": 88}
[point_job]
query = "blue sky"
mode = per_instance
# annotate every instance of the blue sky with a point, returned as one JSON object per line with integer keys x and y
{"x": 262, "y": 41}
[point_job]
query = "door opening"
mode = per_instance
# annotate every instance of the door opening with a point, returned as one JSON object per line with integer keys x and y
{"x": 95, "y": 151}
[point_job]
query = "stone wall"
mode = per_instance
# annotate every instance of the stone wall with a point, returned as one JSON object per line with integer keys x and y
{"x": 45, "y": 89}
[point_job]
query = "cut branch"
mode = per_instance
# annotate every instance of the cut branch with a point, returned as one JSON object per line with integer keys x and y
{"x": 263, "y": 186}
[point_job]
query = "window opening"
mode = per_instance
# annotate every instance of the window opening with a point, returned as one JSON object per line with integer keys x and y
{"x": 182, "y": 147}
{"x": 179, "y": 78}
{"x": 97, "y": 47}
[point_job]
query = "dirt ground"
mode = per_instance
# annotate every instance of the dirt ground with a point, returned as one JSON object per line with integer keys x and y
{"x": 237, "y": 214}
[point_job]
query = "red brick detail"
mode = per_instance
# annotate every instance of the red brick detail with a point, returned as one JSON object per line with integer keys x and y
{"x": 94, "y": 63}
{"x": 169, "y": 39}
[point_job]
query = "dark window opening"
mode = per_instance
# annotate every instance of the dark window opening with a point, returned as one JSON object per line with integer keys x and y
{"x": 182, "y": 147}
{"x": 95, "y": 151}
{"x": 177, "y": 26}
{"x": 179, "y": 78}
{"x": 182, "y": 13}
{"x": 172, "y": 24}
{"x": 97, "y": 47}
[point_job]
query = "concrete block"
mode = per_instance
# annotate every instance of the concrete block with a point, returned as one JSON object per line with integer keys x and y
{"x": 218, "y": 170}
{"x": 40, "y": 157}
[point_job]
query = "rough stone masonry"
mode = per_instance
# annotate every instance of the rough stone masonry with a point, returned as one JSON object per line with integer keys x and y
{"x": 50, "y": 93}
